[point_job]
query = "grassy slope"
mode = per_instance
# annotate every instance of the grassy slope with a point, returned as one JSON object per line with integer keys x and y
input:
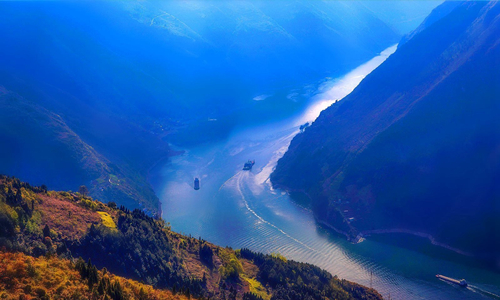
{"x": 131, "y": 244}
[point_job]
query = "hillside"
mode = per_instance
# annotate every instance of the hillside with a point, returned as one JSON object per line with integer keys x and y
{"x": 414, "y": 148}
{"x": 129, "y": 77}
{"x": 38, "y": 139}
{"x": 27, "y": 277}
{"x": 44, "y": 232}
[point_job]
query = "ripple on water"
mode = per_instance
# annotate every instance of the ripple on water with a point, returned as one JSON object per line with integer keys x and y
{"x": 239, "y": 209}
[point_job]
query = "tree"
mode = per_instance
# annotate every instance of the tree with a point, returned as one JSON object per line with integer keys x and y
{"x": 7, "y": 226}
{"x": 206, "y": 255}
{"x": 83, "y": 190}
{"x": 46, "y": 231}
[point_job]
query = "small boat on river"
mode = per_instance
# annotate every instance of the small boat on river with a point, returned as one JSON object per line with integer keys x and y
{"x": 248, "y": 165}
{"x": 196, "y": 184}
{"x": 304, "y": 126}
{"x": 461, "y": 282}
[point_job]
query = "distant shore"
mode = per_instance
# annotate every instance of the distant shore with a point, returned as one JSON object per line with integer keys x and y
{"x": 366, "y": 233}
{"x": 431, "y": 238}
{"x": 161, "y": 160}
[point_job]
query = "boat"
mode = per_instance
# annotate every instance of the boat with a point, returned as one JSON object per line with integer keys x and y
{"x": 196, "y": 184}
{"x": 248, "y": 165}
{"x": 461, "y": 282}
{"x": 304, "y": 126}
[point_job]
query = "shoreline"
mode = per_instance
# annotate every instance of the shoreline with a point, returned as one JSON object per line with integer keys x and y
{"x": 162, "y": 159}
{"x": 366, "y": 233}
{"x": 427, "y": 236}
{"x": 360, "y": 237}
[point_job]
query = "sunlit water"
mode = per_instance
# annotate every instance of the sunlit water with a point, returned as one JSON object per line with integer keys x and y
{"x": 240, "y": 209}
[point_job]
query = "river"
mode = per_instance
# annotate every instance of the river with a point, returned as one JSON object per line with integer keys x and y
{"x": 240, "y": 209}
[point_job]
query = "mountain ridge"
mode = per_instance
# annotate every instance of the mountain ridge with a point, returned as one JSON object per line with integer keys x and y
{"x": 375, "y": 156}
{"x": 41, "y": 228}
{"x": 128, "y": 89}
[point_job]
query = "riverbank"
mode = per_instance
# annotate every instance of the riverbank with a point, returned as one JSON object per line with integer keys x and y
{"x": 161, "y": 162}
{"x": 431, "y": 238}
{"x": 363, "y": 234}
{"x": 245, "y": 212}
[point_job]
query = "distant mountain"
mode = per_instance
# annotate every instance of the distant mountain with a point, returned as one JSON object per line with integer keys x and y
{"x": 180, "y": 59}
{"x": 65, "y": 245}
{"x": 415, "y": 147}
{"x": 39, "y": 144}
{"x": 437, "y": 14}
{"x": 123, "y": 79}
{"x": 402, "y": 16}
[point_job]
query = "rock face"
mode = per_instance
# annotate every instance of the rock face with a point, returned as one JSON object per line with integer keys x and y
{"x": 416, "y": 145}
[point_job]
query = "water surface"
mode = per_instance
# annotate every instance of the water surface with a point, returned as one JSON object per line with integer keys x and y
{"x": 240, "y": 209}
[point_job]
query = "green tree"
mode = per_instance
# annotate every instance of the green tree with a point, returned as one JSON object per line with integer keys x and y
{"x": 46, "y": 231}
{"x": 83, "y": 190}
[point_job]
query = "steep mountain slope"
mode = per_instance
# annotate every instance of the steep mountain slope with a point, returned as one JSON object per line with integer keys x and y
{"x": 128, "y": 77}
{"x": 403, "y": 16}
{"x": 439, "y": 12}
{"x": 52, "y": 228}
{"x": 415, "y": 147}
{"x": 27, "y": 277}
{"x": 36, "y": 139}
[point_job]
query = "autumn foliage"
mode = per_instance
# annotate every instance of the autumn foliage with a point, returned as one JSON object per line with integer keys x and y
{"x": 26, "y": 277}
{"x": 43, "y": 233}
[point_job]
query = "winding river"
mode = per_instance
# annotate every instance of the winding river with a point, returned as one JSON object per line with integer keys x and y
{"x": 240, "y": 209}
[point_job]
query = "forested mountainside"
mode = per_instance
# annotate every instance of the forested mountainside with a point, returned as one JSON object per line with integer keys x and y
{"x": 59, "y": 245}
{"x": 52, "y": 277}
{"x": 415, "y": 147}
{"x": 124, "y": 78}
{"x": 37, "y": 139}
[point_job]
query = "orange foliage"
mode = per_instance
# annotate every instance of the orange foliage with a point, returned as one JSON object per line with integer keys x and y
{"x": 66, "y": 217}
{"x": 26, "y": 277}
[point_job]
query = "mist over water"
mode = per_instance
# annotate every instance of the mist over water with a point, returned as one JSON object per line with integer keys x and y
{"x": 334, "y": 90}
{"x": 241, "y": 210}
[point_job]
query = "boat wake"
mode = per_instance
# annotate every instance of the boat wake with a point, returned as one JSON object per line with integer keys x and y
{"x": 238, "y": 187}
{"x": 479, "y": 290}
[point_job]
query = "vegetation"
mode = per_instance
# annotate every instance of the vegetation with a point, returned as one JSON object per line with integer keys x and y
{"x": 51, "y": 229}
{"x": 293, "y": 280}
{"x": 106, "y": 219}
{"x": 63, "y": 160}
{"x": 207, "y": 255}
{"x": 256, "y": 289}
{"x": 51, "y": 277}
{"x": 411, "y": 148}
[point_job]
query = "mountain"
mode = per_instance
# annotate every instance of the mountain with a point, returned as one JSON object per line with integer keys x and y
{"x": 47, "y": 278}
{"x": 435, "y": 15}
{"x": 181, "y": 59}
{"x": 402, "y": 16}
{"x": 116, "y": 82}
{"x": 415, "y": 147}
{"x": 37, "y": 139}
{"x": 66, "y": 245}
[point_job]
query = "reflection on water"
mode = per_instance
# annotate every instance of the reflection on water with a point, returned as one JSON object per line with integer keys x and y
{"x": 240, "y": 209}
{"x": 335, "y": 90}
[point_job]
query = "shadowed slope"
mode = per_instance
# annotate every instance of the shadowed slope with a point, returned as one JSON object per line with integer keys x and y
{"x": 415, "y": 146}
